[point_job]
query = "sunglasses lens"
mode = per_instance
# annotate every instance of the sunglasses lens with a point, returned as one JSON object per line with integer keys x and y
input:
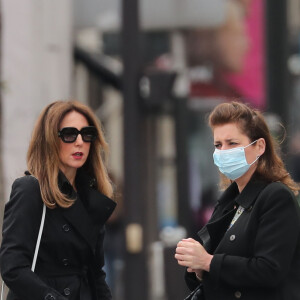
{"x": 89, "y": 134}
{"x": 69, "y": 135}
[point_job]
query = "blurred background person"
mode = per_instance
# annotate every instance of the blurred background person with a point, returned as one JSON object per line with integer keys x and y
{"x": 219, "y": 51}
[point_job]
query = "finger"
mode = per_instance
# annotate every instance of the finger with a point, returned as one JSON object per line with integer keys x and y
{"x": 180, "y": 257}
{"x": 182, "y": 250}
{"x": 187, "y": 245}
{"x": 184, "y": 243}
{"x": 190, "y": 240}
{"x": 183, "y": 263}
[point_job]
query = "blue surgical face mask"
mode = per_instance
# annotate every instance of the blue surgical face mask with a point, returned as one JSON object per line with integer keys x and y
{"x": 232, "y": 162}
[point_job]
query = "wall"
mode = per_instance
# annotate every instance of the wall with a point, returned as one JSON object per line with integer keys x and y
{"x": 36, "y": 70}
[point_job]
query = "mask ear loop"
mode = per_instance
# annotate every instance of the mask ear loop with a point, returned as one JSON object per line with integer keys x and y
{"x": 251, "y": 144}
{"x": 257, "y": 157}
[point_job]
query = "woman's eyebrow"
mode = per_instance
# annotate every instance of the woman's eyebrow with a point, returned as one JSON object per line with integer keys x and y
{"x": 227, "y": 140}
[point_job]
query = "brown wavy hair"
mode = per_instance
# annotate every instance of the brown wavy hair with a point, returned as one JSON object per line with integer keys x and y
{"x": 251, "y": 123}
{"x": 43, "y": 153}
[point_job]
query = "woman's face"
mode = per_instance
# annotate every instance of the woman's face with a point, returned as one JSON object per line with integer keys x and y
{"x": 229, "y": 136}
{"x": 73, "y": 155}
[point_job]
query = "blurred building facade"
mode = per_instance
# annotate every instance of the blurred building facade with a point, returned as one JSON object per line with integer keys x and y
{"x": 185, "y": 59}
{"x": 234, "y": 50}
{"x": 36, "y": 69}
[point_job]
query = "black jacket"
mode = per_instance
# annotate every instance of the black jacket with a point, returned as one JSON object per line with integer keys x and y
{"x": 259, "y": 256}
{"x": 70, "y": 258}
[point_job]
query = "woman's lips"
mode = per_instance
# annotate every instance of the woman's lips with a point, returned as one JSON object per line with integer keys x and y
{"x": 77, "y": 155}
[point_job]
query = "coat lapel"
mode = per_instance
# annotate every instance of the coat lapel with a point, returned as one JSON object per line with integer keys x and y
{"x": 90, "y": 210}
{"x": 218, "y": 228}
{"x": 77, "y": 216}
{"x": 250, "y": 193}
{"x": 213, "y": 232}
{"x": 99, "y": 206}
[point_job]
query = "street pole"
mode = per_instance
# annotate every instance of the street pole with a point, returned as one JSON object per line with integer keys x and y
{"x": 276, "y": 54}
{"x": 135, "y": 279}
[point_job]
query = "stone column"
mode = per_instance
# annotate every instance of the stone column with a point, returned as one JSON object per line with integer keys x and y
{"x": 36, "y": 70}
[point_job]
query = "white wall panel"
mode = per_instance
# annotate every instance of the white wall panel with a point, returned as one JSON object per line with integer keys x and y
{"x": 36, "y": 70}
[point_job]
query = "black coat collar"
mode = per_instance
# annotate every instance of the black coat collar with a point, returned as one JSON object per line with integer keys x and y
{"x": 213, "y": 232}
{"x": 246, "y": 197}
{"x": 99, "y": 206}
{"x": 90, "y": 210}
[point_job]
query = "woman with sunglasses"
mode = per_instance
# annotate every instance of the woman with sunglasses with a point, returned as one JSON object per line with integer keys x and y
{"x": 66, "y": 172}
{"x": 250, "y": 248}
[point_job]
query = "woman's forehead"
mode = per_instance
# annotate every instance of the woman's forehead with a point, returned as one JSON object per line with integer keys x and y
{"x": 228, "y": 131}
{"x": 74, "y": 119}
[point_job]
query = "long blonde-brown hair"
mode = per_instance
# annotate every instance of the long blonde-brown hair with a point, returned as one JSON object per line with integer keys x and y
{"x": 251, "y": 123}
{"x": 43, "y": 153}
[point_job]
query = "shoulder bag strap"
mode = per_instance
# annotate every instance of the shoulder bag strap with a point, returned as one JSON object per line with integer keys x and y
{"x": 37, "y": 246}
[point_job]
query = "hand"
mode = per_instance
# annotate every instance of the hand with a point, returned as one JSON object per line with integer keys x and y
{"x": 191, "y": 254}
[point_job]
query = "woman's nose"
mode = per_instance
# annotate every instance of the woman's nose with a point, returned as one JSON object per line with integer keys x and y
{"x": 79, "y": 140}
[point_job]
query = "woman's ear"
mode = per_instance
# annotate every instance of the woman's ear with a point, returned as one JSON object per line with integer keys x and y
{"x": 261, "y": 146}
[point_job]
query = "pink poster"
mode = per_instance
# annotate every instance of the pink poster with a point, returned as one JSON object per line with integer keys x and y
{"x": 251, "y": 80}
{"x": 228, "y": 62}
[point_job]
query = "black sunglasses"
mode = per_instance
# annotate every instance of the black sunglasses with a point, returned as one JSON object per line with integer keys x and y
{"x": 69, "y": 134}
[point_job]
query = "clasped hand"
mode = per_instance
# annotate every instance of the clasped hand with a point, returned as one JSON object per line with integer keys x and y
{"x": 191, "y": 254}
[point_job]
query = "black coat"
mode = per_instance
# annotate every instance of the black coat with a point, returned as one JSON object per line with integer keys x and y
{"x": 259, "y": 256}
{"x": 70, "y": 258}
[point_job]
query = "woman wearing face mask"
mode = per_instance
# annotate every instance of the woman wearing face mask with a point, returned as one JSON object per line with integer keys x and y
{"x": 251, "y": 245}
{"x": 65, "y": 159}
